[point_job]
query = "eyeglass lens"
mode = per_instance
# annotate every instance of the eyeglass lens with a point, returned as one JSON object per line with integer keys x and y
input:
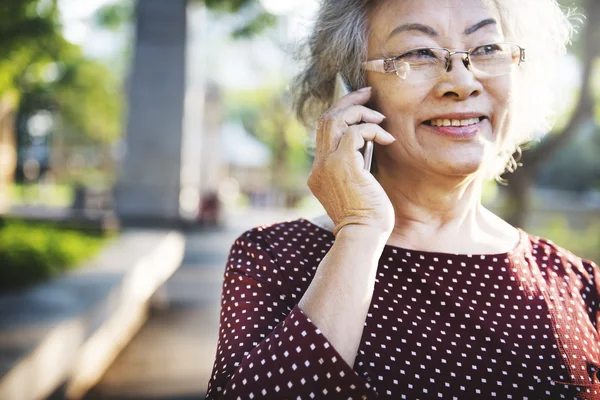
{"x": 430, "y": 63}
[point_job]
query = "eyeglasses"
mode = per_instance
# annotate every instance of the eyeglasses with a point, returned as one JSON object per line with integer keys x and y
{"x": 423, "y": 64}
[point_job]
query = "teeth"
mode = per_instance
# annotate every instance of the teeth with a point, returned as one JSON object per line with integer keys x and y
{"x": 454, "y": 122}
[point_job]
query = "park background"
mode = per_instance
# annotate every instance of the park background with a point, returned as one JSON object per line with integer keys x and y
{"x": 176, "y": 115}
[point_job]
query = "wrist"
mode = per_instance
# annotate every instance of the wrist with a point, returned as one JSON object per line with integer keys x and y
{"x": 363, "y": 235}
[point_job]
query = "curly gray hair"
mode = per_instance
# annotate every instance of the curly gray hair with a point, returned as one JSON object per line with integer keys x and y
{"x": 338, "y": 43}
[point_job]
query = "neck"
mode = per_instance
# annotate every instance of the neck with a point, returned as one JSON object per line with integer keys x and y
{"x": 442, "y": 213}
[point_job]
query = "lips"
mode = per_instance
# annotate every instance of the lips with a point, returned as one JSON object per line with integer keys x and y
{"x": 454, "y": 121}
{"x": 457, "y": 126}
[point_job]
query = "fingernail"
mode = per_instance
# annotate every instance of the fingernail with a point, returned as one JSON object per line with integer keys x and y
{"x": 391, "y": 137}
{"x": 380, "y": 114}
{"x": 365, "y": 89}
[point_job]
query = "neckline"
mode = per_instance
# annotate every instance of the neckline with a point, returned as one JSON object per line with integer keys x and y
{"x": 523, "y": 238}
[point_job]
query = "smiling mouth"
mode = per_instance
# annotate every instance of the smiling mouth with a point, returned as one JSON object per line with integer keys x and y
{"x": 453, "y": 122}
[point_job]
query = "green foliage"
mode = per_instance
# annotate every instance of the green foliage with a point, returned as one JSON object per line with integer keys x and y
{"x": 230, "y": 6}
{"x": 255, "y": 26}
{"x": 42, "y": 70}
{"x": 266, "y": 113}
{"x": 114, "y": 16}
{"x": 26, "y": 22}
{"x": 256, "y": 18}
{"x": 50, "y": 195}
{"x": 89, "y": 99}
{"x": 31, "y": 252}
{"x": 29, "y": 34}
{"x": 86, "y": 96}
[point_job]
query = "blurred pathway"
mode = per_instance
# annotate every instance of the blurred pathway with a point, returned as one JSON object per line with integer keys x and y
{"x": 172, "y": 356}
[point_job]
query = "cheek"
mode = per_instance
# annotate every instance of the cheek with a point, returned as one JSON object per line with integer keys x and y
{"x": 502, "y": 92}
{"x": 397, "y": 100}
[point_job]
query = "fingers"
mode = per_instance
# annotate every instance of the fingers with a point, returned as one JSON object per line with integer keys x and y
{"x": 358, "y": 97}
{"x": 355, "y": 114}
{"x": 356, "y": 135}
{"x": 352, "y": 110}
{"x": 333, "y": 124}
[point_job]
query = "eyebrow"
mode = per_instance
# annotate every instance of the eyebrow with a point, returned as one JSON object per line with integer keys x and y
{"x": 432, "y": 32}
{"x": 479, "y": 25}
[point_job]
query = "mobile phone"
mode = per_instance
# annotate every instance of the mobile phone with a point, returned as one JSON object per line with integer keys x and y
{"x": 341, "y": 89}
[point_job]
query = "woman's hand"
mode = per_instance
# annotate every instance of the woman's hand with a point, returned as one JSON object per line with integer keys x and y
{"x": 349, "y": 193}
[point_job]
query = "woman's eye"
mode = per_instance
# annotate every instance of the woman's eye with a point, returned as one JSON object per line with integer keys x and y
{"x": 487, "y": 50}
{"x": 418, "y": 54}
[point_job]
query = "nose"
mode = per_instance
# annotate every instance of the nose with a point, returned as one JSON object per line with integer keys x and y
{"x": 464, "y": 56}
{"x": 458, "y": 82}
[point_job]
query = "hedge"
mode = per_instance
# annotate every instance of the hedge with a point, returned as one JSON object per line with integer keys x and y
{"x": 34, "y": 252}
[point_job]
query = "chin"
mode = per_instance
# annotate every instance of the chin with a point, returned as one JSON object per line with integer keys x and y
{"x": 463, "y": 165}
{"x": 464, "y": 170}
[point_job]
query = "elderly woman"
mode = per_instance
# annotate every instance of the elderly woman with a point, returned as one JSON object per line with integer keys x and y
{"x": 409, "y": 288}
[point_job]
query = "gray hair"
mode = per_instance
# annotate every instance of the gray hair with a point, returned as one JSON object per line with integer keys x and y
{"x": 338, "y": 43}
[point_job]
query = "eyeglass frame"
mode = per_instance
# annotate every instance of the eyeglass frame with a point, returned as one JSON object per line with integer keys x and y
{"x": 387, "y": 65}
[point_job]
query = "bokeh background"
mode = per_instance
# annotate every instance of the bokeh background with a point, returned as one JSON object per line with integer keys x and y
{"x": 176, "y": 114}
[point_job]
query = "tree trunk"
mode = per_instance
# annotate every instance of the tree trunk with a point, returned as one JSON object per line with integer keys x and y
{"x": 518, "y": 200}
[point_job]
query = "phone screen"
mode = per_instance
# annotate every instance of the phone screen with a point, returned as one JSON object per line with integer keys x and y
{"x": 341, "y": 89}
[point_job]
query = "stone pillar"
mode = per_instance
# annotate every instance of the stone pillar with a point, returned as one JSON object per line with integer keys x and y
{"x": 149, "y": 187}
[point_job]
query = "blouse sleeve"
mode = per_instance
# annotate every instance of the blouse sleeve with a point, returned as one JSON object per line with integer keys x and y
{"x": 268, "y": 348}
{"x": 591, "y": 293}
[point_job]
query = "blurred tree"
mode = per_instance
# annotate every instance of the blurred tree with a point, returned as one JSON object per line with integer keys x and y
{"x": 521, "y": 182}
{"x": 83, "y": 94}
{"x": 38, "y": 61}
{"x": 576, "y": 167}
{"x": 41, "y": 71}
{"x": 114, "y": 16}
{"x": 156, "y": 110}
{"x": 28, "y": 35}
{"x": 258, "y": 19}
{"x": 266, "y": 113}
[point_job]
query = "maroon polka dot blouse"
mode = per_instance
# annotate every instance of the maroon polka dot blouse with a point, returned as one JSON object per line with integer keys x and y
{"x": 517, "y": 325}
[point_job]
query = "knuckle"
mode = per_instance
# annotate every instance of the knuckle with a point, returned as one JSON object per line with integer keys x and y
{"x": 357, "y": 133}
{"x": 340, "y": 125}
{"x": 324, "y": 122}
{"x": 325, "y": 117}
{"x": 331, "y": 121}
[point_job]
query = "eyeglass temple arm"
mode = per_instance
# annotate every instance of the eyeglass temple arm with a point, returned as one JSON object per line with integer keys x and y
{"x": 382, "y": 66}
{"x": 522, "y": 56}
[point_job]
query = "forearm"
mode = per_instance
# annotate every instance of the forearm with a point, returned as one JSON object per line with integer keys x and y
{"x": 265, "y": 348}
{"x": 338, "y": 299}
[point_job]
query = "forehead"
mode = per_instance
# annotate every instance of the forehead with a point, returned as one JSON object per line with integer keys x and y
{"x": 449, "y": 18}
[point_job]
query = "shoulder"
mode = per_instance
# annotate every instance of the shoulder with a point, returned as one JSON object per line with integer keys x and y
{"x": 546, "y": 248}
{"x": 286, "y": 254}
{"x": 282, "y": 239}
{"x": 560, "y": 260}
